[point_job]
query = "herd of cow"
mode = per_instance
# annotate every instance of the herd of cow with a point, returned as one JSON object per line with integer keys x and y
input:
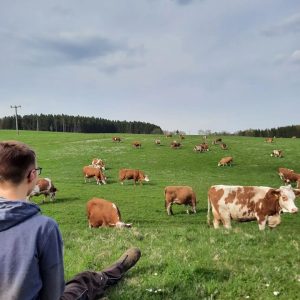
{"x": 242, "y": 203}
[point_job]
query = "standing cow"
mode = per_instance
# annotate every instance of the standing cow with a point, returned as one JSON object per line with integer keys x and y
{"x": 136, "y": 175}
{"x": 89, "y": 172}
{"x": 136, "y": 144}
{"x": 101, "y": 212}
{"x": 225, "y": 161}
{"x": 179, "y": 195}
{"x": 44, "y": 186}
{"x": 246, "y": 203}
{"x": 116, "y": 139}
{"x": 98, "y": 163}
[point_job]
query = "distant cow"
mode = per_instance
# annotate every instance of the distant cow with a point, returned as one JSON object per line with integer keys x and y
{"x": 217, "y": 141}
{"x": 269, "y": 140}
{"x": 116, "y": 139}
{"x": 175, "y": 145}
{"x": 179, "y": 195}
{"x": 277, "y": 153}
{"x": 223, "y": 146}
{"x": 98, "y": 163}
{"x": 44, "y": 186}
{"x": 157, "y": 142}
{"x": 246, "y": 203}
{"x": 136, "y": 175}
{"x": 169, "y": 135}
{"x": 182, "y": 137}
{"x": 101, "y": 212}
{"x": 289, "y": 176}
{"x": 225, "y": 161}
{"x": 136, "y": 144}
{"x": 89, "y": 172}
{"x": 198, "y": 148}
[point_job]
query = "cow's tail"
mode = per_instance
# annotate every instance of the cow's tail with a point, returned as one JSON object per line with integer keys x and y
{"x": 208, "y": 210}
{"x": 165, "y": 191}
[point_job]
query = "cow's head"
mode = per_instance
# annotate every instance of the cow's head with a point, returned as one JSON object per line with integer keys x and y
{"x": 146, "y": 178}
{"x": 122, "y": 225}
{"x": 287, "y": 199}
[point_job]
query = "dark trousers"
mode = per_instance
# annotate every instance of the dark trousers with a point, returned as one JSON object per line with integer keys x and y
{"x": 90, "y": 285}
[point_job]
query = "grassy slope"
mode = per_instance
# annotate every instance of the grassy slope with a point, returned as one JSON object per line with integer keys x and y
{"x": 181, "y": 256}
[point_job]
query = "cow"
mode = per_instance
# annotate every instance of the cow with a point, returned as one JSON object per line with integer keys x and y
{"x": 269, "y": 140}
{"x": 277, "y": 153}
{"x": 179, "y": 195}
{"x": 136, "y": 175}
{"x": 98, "y": 163}
{"x": 175, "y": 145}
{"x": 223, "y": 146}
{"x": 216, "y": 141}
{"x": 169, "y": 135}
{"x": 116, "y": 139}
{"x": 44, "y": 186}
{"x": 136, "y": 144}
{"x": 157, "y": 142}
{"x": 182, "y": 137}
{"x": 225, "y": 161}
{"x": 89, "y": 172}
{"x": 199, "y": 148}
{"x": 248, "y": 203}
{"x": 289, "y": 176}
{"x": 101, "y": 212}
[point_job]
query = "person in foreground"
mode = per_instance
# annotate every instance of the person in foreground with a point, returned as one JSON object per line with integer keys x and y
{"x": 31, "y": 251}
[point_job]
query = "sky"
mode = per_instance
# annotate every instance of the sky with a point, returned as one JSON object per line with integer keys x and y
{"x": 181, "y": 64}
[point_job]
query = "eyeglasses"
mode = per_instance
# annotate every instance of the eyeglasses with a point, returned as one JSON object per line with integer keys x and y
{"x": 39, "y": 170}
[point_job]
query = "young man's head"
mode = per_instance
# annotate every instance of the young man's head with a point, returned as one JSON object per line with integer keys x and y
{"x": 17, "y": 163}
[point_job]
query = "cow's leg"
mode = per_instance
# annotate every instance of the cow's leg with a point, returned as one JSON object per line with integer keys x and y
{"x": 169, "y": 209}
{"x": 217, "y": 219}
{"x": 194, "y": 208}
{"x": 90, "y": 225}
{"x": 262, "y": 220}
{"x": 226, "y": 220}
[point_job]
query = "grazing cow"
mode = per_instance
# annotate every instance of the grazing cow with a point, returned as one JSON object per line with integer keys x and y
{"x": 101, "y": 212}
{"x": 89, "y": 172}
{"x": 223, "y": 146}
{"x": 175, "y": 145}
{"x": 44, "y": 186}
{"x": 225, "y": 161}
{"x": 201, "y": 148}
{"x": 157, "y": 142}
{"x": 98, "y": 163}
{"x": 217, "y": 141}
{"x": 116, "y": 139}
{"x": 136, "y": 144}
{"x": 289, "y": 176}
{"x": 136, "y": 175}
{"x": 269, "y": 140}
{"x": 179, "y": 195}
{"x": 247, "y": 203}
{"x": 277, "y": 153}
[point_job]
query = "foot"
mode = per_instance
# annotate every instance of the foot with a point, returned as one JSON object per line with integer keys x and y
{"x": 122, "y": 265}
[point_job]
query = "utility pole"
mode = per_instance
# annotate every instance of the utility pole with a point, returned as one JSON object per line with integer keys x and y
{"x": 16, "y": 112}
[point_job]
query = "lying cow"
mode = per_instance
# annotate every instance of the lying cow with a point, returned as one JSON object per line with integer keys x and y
{"x": 247, "y": 203}
{"x": 44, "y": 186}
{"x": 225, "y": 161}
{"x": 101, "y": 212}
{"x": 98, "y": 163}
{"x": 216, "y": 141}
{"x": 136, "y": 175}
{"x": 269, "y": 140}
{"x": 179, "y": 195}
{"x": 223, "y": 146}
{"x": 289, "y": 176}
{"x": 89, "y": 172}
{"x": 157, "y": 142}
{"x": 175, "y": 145}
{"x": 277, "y": 153}
{"x": 201, "y": 148}
{"x": 136, "y": 144}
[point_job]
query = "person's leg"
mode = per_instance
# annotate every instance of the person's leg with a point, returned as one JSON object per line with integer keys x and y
{"x": 91, "y": 285}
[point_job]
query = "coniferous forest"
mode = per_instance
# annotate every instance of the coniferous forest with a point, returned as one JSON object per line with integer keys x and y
{"x": 65, "y": 123}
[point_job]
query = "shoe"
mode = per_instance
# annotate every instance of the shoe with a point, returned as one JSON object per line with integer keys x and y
{"x": 122, "y": 265}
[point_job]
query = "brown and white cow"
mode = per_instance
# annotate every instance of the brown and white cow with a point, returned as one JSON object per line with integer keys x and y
{"x": 216, "y": 141}
{"x": 89, "y": 172}
{"x": 101, "y": 212}
{"x": 98, "y": 163}
{"x": 179, "y": 195}
{"x": 277, "y": 153}
{"x": 136, "y": 175}
{"x": 289, "y": 176}
{"x": 223, "y": 146}
{"x": 136, "y": 144}
{"x": 116, "y": 139}
{"x": 225, "y": 161}
{"x": 175, "y": 145}
{"x": 44, "y": 186}
{"x": 157, "y": 142}
{"x": 246, "y": 203}
{"x": 202, "y": 147}
{"x": 269, "y": 140}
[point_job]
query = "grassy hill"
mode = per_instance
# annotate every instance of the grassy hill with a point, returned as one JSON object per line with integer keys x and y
{"x": 182, "y": 258}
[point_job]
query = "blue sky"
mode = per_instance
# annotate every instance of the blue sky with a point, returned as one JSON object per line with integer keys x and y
{"x": 181, "y": 64}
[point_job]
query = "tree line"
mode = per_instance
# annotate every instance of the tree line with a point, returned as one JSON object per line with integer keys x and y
{"x": 285, "y": 132}
{"x": 65, "y": 123}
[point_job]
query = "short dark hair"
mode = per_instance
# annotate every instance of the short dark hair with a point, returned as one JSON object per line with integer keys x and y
{"x": 15, "y": 160}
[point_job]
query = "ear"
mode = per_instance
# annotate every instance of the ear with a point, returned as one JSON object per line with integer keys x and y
{"x": 31, "y": 176}
{"x": 276, "y": 193}
{"x": 297, "y": 192}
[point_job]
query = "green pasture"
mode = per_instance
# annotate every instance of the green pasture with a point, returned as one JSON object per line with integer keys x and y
{"x": 182, "y": 258}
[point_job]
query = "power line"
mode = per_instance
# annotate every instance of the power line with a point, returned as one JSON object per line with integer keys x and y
{"x": 16, "y": 113}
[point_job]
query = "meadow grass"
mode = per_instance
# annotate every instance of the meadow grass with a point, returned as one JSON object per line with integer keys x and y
{"x": 182, "y": 258}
